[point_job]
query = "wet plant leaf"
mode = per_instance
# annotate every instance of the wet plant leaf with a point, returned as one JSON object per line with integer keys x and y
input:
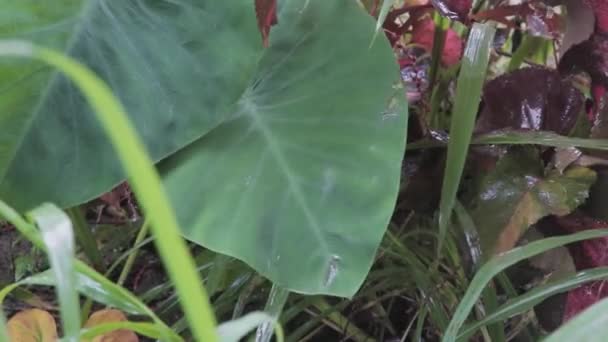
{"x": 590, "y": 326}
{"x": 110, "y": 316}
{"x": 585, "y": 254}
{"x": 266, "y": 12}
{"x": 530, "y": 99}
{"x": 32, "y": 325}
{"x": 517, "y": 194}
{"x": 454, "y": 9}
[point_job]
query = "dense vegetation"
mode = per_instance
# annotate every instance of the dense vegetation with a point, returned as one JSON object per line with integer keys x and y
{"x": 366, "y": 170}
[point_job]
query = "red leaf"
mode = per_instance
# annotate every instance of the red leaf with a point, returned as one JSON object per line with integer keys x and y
{"x": 600, "y": 9}
{"x": 423, "y": 34}
{"x": 266, "y": 11}
{"x": 585, "y": 254}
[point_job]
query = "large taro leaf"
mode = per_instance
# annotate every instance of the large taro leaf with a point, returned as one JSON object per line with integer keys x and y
{"x": 178, "y": 66}
{"x": 302, "y": 182}
{"x": 517, "y": 194}
{"x": 289, "y": 157}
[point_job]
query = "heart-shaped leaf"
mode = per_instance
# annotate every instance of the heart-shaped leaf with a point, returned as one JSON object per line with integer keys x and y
{"x": 286, "y": 160}
{"x": 301, "y": 183}
{"x": 177, "y": 66}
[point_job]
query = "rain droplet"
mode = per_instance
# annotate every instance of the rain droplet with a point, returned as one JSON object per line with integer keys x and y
{"x": 332, "y": 270}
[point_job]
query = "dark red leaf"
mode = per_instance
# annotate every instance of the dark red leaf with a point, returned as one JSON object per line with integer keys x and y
{"x": 454, "y": 9}
{"x": 423, "y": 34}
{"x": 585, "y": 254}
{"x": 266, "y": 11}
{"x": 531, "y": 99}
{"x": 600, "y": 9}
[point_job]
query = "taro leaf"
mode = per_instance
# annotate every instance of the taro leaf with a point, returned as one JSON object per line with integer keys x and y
{"x": 302, "y": 182}
{"x": 532, "y": 99}
{"x": 287, "y": 161}
{"x": 178, "y": 67}
{"x": 32, "y": 325}
{"x": 516, "y": 195}
{"x": 453, "y": 9}
{"x": 266, "y": 12}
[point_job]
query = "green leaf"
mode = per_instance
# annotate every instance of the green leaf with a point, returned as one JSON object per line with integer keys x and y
{"x": 516, "y": 195}
{"x": 177, "y": 66}
{"x": 501, "y": 262}
{"x": 3, "y": 328}
{"x": 293, "y": 164}
{"x": 468, "y": 94}
{"x": 590, "y": 326}
{"x": 58, "y": 237}
{"x": 301, "y": 183}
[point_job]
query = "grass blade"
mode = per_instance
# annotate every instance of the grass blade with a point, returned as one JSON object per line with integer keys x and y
{"x": 386, "y": 6}
{"x": 58, "y": 237}
{"x": 145, "y": 329}
{"x": 3, "y": 329}
{"x": 533, "y": 297}
{"x": 523, "y": 138}
{"x": 590, "y": 326}
{"x": 144, "y": 180}
{"x": 500, "y": 263}
{"x": 236, "y": 330}
{"x": 468, "y": 94}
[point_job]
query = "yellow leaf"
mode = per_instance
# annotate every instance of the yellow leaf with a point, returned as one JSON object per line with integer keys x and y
{"x": 111, "y": 316}
{"x": 32, "y": 326}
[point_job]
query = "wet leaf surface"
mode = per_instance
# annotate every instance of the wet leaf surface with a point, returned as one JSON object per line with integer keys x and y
{"x": 585, "y": 254}
{"x": 517, "y": 194}
{"x": 454, "y": 9}
{"x": 530, "y": 99}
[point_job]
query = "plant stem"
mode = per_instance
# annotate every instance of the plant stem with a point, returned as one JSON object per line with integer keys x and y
{"x": 274, "y": 306}
{"x": 86, "y": 239}
{"x": 141, "y": 235}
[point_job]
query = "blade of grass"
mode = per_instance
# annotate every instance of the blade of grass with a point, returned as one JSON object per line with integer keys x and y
{"x": 386, "y": 6}
{"x": 144, "y": 180}
{"x": 86, "y": 239}
{"x": 533, "y": 297}
{"x": 468, "y": 94}
{"x": 441, "y": 26}
{"x": 3, "y": 329}
{"x": 500, "y": 263}
{"x": 58, "y": 237}
{"x": 236, "y": 330}
{"x": 89, "y": 282}
{"x": 590, "y": 326}
{"x": 141, "y": 235}
{"x": 522, "y": 138}
{"x": 274, "y": 306}
{"x": 145, "y": 329}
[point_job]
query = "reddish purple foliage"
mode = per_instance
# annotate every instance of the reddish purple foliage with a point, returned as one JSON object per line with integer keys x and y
{"x": 266, "y": 11}
{"x": 454, "y": 9}
{"x": 586, "y": 254}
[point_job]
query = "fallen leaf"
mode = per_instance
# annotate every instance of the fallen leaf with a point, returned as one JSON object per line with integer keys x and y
{"x": 111, "y": 316}
{"x": 32, "y": 325}
{"x": 531, "y": 99}
{"x": 517, "y": 194}
{"x": 266, "y": 11}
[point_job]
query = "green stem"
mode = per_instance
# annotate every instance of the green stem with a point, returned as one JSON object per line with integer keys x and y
{"x": 141, "y": 235}
{"x": 85, "y": 238}
{"x": 528, "y": 46}
{"x": 441, "y": 26}
{"x": 274, "y": 306}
